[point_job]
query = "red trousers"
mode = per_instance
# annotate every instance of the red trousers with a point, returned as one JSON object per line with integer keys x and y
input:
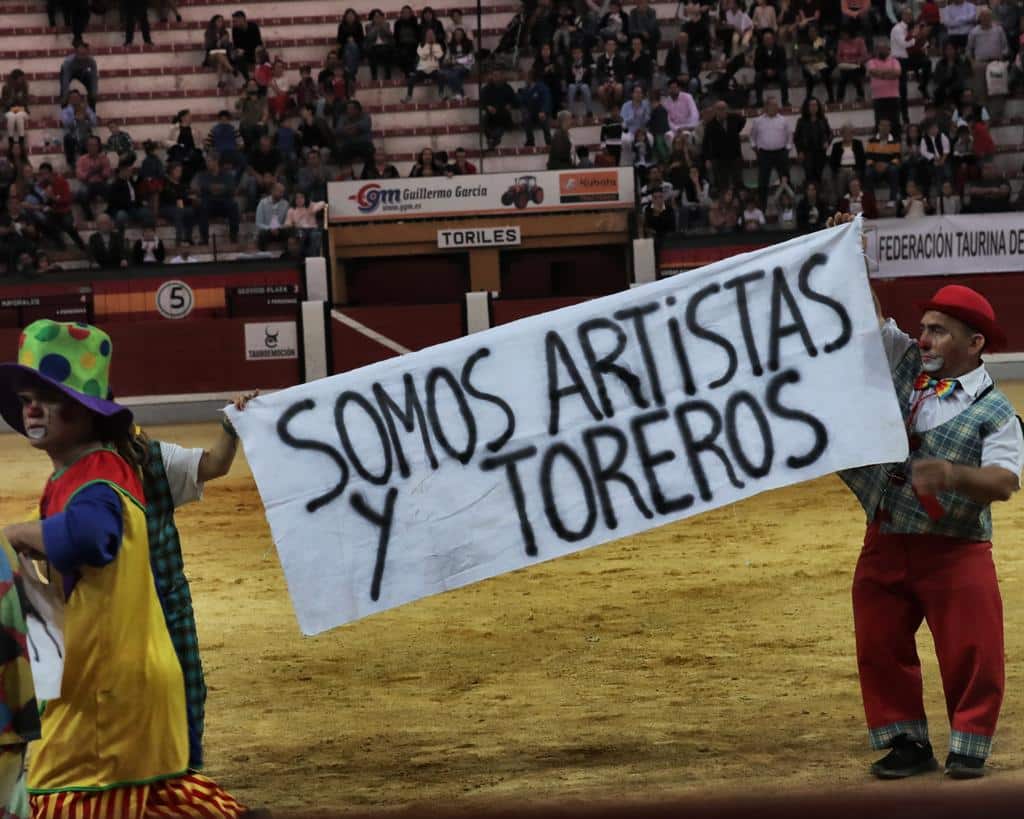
{"x": 901, "y": 580}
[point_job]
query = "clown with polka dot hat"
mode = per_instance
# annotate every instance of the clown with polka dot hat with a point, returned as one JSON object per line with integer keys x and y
{"x": 117, "y": 734}
{"x": 71, "y": 358}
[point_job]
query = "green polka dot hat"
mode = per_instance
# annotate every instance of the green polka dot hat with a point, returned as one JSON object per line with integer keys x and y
{"x": 73, "y": 358}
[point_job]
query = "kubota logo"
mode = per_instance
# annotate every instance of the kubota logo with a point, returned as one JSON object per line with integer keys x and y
{"x": 369, "y": 197}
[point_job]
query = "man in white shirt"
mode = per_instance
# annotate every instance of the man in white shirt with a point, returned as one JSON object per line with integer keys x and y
{"x": 927, "y": 554}
{"x": 906, "y": 44}
{"x": 771, "y": 138}
{"x": 683, "y": 114}
{"x": 959, "y": 18}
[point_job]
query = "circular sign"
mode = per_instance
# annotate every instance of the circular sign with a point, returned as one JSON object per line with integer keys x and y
{"x": 174, "y": 299}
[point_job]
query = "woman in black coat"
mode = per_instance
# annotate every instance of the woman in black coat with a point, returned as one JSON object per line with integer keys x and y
{"x": 812, "y": 137}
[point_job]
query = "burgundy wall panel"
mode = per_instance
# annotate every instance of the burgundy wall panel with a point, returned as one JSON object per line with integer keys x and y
{"x": 412, "y": 326}
{"x": 505, "y": 310}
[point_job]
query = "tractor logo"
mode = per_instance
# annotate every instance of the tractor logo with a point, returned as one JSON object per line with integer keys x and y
{"x": 522, "y": 192}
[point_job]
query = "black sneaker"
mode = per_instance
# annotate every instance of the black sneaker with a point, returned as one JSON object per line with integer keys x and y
{"x": 908, "y": 757}
{"x": 959, "y": 766}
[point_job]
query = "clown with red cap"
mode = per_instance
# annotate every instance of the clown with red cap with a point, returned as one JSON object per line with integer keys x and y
{"x": 927, "y": 555}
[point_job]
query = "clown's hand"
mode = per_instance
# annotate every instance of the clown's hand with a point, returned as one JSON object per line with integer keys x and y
{"x": 241, "y": 401}
{"x": 930, "y": 476}
{"x": 840, "y": 218}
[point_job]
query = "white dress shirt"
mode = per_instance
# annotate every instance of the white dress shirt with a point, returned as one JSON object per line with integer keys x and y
{"x": 182, "y": 468}
{"x": 1003, "y": 448}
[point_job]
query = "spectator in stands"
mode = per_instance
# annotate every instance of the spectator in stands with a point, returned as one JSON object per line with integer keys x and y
{"x": 57, "y": 199}
{"x": 350, "y": 44}
{"x": 659, "y": 218}
{"x": 332, "y": 78}
{"x": 535, "y": 106}
{"x": 614, "y": 25}
{"x": 883, "y": 161}
{"x": 770, "y": 67}
{"x": 723, "y": 158}
{"x": 764, "y": 18}
{"x": 245, "y": 39}
{"x": 264, "y": 70}
{"x": 133, "y": 11}
{"x": 656, "y": 182}
{"x": 948, "y": 202}
{"x": 579, "y": 74}
{"x": 77, "y": 13}
{"x": 79, "y": 65}
{"x": 1015, "y": 80}
{"x": 816, "y": 63}
{"x": 124, "y": 201}
{"x": 858, "y": 200}
{"x": 963, "y": 158}
{"x": 915, "y": 204}
{"x": 429, "y": 21}
{"x": 644, "y": 157}
{"x": 302, "y": 219}
{"x": 176, "y": 205}
{"x": 497, "y": 100}
{"x": 988, "y": 194}
{"x": 959, "y": 18}
{"x": 658, "y": 126}
{"x": 119, "y": 142}
{"x": 380, "y": 169}
{"x": 38, "y": 205}
{"x": 279, "y": 98}
{"x": 451, "y": 23}
{"x": 735, "y": 28}
{"x": 611, "y": 136}
{"x": 461, "y": 166}
{"x": 611, "y": 75}
{"x": 913, "y": 165}
{"x": 643, "y": 23}
{"x": 906, "y": 40}
{"x": 549, "y": 69}
{"x": 857, "y": 16}
{"x": 936, "y": 151}
{"x": 457, "y": 65}
{"x": 14, "y": 101}
{"x": 812, "y": 138}
{"x": 149, "y": 249}
{"x": 752, "y": 218}
{"x": 771, "y": 137}
{"x": 428, "y": 64}
{"x": 270, "y": 218}
{"x": 407, "y": 39}
{"x": 1007, "y": 13}
{"x": 182, "y": 145}
{"x": 884, "y": 71}
{"x": 311, "y": 178}
{"x": 77, "y": 120}
{"x": 968, "y": 110}
{"x": 306, "y": 92}
{"x": 639, "y": 67}
{"x": 219, "y": 48}
{"x": 215, "y": 196}
{"x": 683, "y": 63}
{"x": 264, "y": 167}
{"x": 636, "y": 114}
{"x": 851, "y": 59}
{"x": 93, "y": 171}
{"x": 426, "y": 164}
{"x": 695, "y": 200}
{"x": 17, "y": 153}
{"x": 355, "y": 134}
{"x": 562, "y": 155}
{"x": 952, "y": 73}
{"x": 724, "y": 213}
{"x": 985, "y": 44}
{"x": 253, "y": 114}
{"x": 314, "y": 131}
{"x": 379, "y": 44}
{"x": 106, "y": 246}
{"x": 224, "y": 139}
{"x": 811, "y": 212}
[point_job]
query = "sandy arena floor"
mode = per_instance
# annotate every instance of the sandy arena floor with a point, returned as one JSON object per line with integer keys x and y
{"x": 712, "y": 655}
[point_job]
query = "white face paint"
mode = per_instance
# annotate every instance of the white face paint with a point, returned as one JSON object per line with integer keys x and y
{"x": 36, "y": 433}
{"x": 932, "y": 364}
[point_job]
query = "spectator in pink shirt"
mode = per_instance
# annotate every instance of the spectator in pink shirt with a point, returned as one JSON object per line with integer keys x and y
{"x": 884, "y": 71}
{"x": 851, "y": 56}
{"x": 683, "y": 114}
{"x": 857, "y": 13}
{"x": 93, "y": 170}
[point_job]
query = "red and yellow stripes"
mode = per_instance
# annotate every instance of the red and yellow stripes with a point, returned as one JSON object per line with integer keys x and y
{"x": 187, "y": 796}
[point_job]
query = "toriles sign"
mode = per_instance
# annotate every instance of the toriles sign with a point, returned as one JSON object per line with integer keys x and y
{"x": 479, "y": 237}
{"x": 488, "y": 194}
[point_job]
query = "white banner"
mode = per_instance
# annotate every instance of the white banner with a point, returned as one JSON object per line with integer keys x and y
{"x": 564, "y": 430}
{"x": 271, "y": 340}
{"x": 487, "y": 194}
{"x": 946, "y": 245}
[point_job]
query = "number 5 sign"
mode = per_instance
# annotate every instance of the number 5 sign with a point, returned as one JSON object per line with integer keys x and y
{"x": 174, "y": 299}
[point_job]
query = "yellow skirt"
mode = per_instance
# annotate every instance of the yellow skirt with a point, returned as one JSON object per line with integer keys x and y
{"x": 186, "y": 796}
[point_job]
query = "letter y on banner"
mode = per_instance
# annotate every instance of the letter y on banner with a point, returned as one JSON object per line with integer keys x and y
{"x": 565, "y": 430}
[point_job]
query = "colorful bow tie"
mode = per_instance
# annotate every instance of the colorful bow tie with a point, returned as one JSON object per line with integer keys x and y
{"x": 943, "y": 387}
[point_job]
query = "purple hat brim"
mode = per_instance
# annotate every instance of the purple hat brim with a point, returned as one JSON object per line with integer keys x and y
{"x": 10, "y": 406}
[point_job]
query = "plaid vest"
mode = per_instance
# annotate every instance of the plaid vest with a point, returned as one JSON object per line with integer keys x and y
{"x": 172, "y": 588}
{"x": 887, "y": 488}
